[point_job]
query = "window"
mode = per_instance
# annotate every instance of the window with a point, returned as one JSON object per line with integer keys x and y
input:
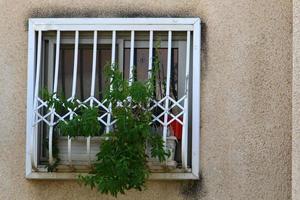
{"x": 69, "y": 55}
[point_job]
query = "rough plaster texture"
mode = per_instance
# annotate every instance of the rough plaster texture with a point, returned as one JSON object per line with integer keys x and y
{"x": 246, "y": 97}
{"x": 296, "y": 102}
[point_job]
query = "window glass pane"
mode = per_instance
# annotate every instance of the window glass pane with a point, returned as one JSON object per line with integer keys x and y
{"x": 84, "y": 73}
{"x": 141, "y": 68}
{"x": 66, "y": 70}
{"x": 103, "y": 60}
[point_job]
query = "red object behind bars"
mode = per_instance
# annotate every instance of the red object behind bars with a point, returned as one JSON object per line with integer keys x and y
{"x": 176, "y": 127}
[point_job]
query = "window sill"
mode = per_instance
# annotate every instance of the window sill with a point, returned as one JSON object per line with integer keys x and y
{"x": 72, "y": 176}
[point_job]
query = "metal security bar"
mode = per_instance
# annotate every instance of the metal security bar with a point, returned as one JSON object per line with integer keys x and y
{"x": 35, "y": 104}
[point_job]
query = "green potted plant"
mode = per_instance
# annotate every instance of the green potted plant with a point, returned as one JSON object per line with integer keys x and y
{"x": 121, "y": 163}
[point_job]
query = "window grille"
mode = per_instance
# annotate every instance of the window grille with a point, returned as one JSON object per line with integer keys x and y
{"x": 48, "y": 46}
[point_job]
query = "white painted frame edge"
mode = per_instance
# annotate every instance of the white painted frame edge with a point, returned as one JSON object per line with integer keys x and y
{"x": 115, "y": 21}
{"x": 196, "y": 99}
{"x": 108, "y": 24}
{"x": 185, "y": 24}
{"x": 72, "y": 176}
{"x": 30, "y": 93}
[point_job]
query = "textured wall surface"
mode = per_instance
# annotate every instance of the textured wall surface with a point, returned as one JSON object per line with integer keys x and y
{"x": 246, "y": 97}
{"x": 296, "y": 103}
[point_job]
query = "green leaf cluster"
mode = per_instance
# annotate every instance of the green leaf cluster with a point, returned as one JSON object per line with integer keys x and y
{"x": 122, "y": 162}
{"x": 84, "y": 123}
{"x": 82, "y": 119}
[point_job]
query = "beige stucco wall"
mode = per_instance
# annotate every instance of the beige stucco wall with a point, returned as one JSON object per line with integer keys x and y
{"x": 246, "y": 97}
{"x": 296, "y": 102}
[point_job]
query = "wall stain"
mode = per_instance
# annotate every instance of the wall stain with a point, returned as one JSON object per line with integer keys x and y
{"x": 193, "y": 189}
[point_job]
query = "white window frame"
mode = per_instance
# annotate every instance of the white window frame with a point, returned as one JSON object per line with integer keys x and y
{"x": 38, "y": 25}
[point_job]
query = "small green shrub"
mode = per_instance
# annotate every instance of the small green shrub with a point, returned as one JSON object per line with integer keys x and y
{"x": 121, "y": 163}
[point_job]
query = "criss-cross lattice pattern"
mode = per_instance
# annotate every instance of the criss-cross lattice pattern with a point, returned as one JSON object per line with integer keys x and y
{"x": 158, "y": 110}
{"x": 164, "y": 111}
{"x": 43, "y": 112}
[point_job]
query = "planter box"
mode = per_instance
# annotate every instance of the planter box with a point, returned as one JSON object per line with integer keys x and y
{"x": 80, "y": 157}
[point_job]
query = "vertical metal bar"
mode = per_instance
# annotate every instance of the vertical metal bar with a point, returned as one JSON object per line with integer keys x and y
{"x": 150, "y": 54}
{"x": 131, "y": 78}
{"x": 38, "y": 68}
{"x": 113, "y": 48}
{"x": 165, "y": 128}
{"x": 35, "y": 102}
{"x": 73, "y": 89}
{"x": 75, "y": 64}
{"x": 94, "y": 66}
{"x": 88, "y": 141}
{"x": 184, "y": 141}
{"x": 113, "y": 58}
{"x": 196, "y": 98}
{"x": 56, "y": 62}
{"x": 56, "y": 69}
